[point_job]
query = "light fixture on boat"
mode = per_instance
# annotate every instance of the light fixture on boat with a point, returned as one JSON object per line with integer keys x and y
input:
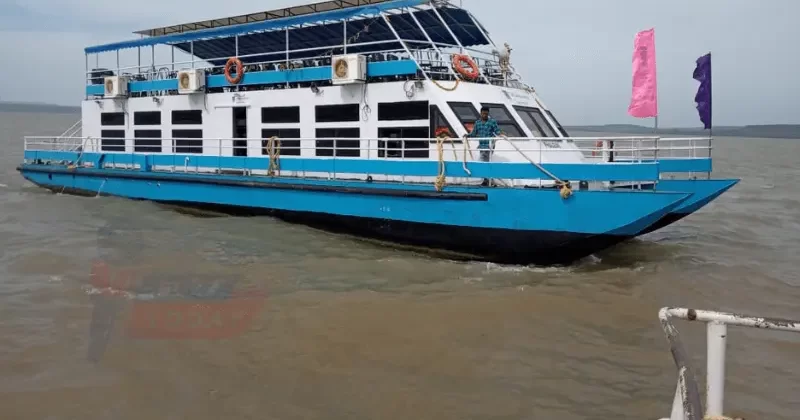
{"x": 157, "y": 100}
{"x": 315, "y": 89}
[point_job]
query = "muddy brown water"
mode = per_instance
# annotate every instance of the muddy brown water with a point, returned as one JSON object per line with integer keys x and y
{"x": 351, "y": 330}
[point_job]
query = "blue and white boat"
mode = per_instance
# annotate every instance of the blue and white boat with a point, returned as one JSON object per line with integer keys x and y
{"x": 352, "y": 116}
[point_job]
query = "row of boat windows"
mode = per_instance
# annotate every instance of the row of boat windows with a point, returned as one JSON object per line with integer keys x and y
{"x": 397, "y": 111}
{"x": 348, "y": 139}
{"x": 347, "y": 143}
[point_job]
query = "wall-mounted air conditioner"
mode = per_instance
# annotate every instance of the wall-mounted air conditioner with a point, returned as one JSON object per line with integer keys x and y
{"x": 191, "y": 81}
{"x": 115, "y": 87}
{"x": 347, "y": 69}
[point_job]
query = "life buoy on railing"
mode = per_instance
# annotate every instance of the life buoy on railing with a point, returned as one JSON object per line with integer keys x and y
{"x": 234, "y": 61}
{"x": 462, "y": 60}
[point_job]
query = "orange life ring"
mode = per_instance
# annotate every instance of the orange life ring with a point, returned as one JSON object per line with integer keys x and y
{"x": 239, "y": 70}
{"x": 459, "y": 60}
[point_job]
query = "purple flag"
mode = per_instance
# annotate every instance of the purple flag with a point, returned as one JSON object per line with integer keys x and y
{"x": 702, "y": 73}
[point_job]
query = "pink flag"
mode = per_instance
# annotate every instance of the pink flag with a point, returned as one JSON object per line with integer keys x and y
{"x": 644, "y": 98}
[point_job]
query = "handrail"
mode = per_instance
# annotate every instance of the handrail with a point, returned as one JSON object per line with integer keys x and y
{"x": 687, "y": 404}
{"x": 631, "y": 152}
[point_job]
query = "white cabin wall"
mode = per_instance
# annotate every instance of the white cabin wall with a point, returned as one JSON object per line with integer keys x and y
{"x": 217, "y": 115}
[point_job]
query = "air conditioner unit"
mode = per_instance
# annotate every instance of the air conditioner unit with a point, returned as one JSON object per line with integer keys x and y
{"x": 347, "y": 69}
{"x": 115, "y": 87}
{"x": 191, "y": 81}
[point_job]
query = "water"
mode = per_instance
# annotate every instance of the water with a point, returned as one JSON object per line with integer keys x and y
{"x": 349, "y": 330}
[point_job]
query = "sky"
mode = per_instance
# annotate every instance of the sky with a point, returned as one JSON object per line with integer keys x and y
{"x": 576, "y": 53}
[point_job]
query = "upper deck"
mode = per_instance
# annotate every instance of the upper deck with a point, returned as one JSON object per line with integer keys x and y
{"x": 293, "y": 47}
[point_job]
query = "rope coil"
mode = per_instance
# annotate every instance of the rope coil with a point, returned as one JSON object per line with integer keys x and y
{"x": 274, "y": 151}
{"x": 441, "y": 178}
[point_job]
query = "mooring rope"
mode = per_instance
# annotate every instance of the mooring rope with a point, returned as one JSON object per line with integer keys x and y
{"x": 565, "y": 187}
{"x": 441, "y": 178}
{"x": 274, "y": 155}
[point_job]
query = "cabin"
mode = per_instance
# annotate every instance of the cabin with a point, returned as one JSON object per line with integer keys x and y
{"x": 370, "y": 79}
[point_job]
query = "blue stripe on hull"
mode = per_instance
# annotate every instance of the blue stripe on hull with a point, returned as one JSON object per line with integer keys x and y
{"x": 623, "y": 213}
{"x": 573, "y": 171}
{"x": 703, "y": 191}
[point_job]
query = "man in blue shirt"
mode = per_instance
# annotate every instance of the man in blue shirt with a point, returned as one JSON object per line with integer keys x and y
{"x": 485, "y": 129}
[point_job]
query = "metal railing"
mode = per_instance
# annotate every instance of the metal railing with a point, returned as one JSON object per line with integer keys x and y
{"x": 606, "y": 148}
{"x": 625, "y": 149}
{"x": 687, "y": 404}
{"x": 226, "y": 155}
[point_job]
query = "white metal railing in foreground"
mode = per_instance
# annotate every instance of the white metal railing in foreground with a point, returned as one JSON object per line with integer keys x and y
{"x": 687, "y": 404}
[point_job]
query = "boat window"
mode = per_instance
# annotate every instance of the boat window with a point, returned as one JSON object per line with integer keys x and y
{"x": 187, "y": 117}
{"x": 112, "y": 118}
{"x": 147, "y": 118}
{"x": 439, "y": 124}
{"x": 403, "y": 111}
{"x": 466, "y": 113}
{"x": 187, "y": 141}
{"x": 403, "y": 146}
{"x": 337, "y": 113}
{"x": 289, "y": 137}
{"x": 280, "y": 114}
{"x": 558, "y": 124}
{"x": 505, "y": 121}
{"x": 535, "y": 121}
{"x": 345, "y": 147}
{"x": 112, "y": 140}
{"x": 147, "y": 141}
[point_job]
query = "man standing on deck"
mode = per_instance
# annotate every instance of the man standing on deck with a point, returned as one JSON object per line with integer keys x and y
{"x": 485, "y": 128}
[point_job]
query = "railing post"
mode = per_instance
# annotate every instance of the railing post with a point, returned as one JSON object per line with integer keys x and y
{"x": 677, "y": 404}
{"x": 715, "y": 366}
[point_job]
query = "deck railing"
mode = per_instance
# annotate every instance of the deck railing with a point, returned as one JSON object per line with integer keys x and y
{"x": 593, "y": 150}
{"x": 516, "y": 161}
{"x": 687, "y": 404}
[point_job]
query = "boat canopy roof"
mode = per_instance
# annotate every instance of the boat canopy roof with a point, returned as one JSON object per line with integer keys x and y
{"x": 319, "y": 29}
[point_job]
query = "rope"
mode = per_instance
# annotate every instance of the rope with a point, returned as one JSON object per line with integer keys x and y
{"x": 565, "y": 187}
{"x": 274, "y": 156}
{"x": 445, "y": 88}
{"x": 440, "y": 181}
{"x": 441, "y": 178}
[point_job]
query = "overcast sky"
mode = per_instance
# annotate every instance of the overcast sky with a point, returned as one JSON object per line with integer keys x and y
{"x": 576, "y": 53}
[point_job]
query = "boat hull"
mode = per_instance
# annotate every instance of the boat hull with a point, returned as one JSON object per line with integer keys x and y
{"x": 513, "y": 226}
{"x": 703, "y": 192}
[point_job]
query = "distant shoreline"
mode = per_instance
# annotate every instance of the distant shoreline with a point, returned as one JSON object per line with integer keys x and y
{"x": 38, "y": 108}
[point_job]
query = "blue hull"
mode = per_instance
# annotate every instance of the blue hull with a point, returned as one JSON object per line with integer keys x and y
{"x": 703, "y": 191}
{"x": 518, "y": 226}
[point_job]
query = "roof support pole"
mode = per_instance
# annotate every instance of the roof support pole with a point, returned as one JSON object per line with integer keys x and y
{"x": 344, "y": 34}
{"x": 191, "y": 51}
{"x": 535, "y": 95}
{"x": 139, "y": 59}
{"x": 172, "y": 47}
{"x": 117, "y": 62}
{"x": 286, "y": 66}
{"x": 463, "y": 51}
{"x": 433, "y": 44}
{"x": 86, "y": 76}
{"x": 405, "y": 47}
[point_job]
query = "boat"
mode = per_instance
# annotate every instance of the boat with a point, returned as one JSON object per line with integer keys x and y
{"x": 353, "y": 117}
